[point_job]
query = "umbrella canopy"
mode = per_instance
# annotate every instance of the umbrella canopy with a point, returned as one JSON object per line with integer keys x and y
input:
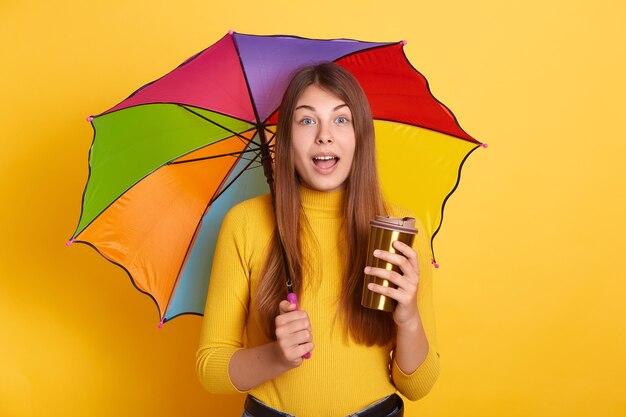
{"x": 167, "y": 163}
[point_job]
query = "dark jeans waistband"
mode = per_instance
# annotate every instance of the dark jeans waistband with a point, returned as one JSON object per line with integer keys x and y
{"x": 392, "y": 406}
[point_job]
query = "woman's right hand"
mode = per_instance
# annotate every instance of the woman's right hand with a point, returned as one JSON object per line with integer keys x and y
{"x": 293, "y": 334}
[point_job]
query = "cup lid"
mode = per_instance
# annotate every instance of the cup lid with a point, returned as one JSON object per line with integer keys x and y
{"x": 405, "y": 224}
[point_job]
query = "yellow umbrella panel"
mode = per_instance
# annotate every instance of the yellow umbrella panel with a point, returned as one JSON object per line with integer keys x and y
{"x": 419, "y": 169}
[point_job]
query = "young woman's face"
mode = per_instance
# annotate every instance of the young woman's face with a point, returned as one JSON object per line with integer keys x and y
{"x": 323, "y": 141}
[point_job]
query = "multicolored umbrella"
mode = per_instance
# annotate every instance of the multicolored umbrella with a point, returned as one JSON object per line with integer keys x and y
{"x": 168, "y": 162}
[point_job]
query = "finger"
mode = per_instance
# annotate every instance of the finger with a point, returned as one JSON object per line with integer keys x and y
{"x": 396, "y": 259}
{"x": 386, "y": 291}
{"x": 295, "y": 354}
{"x": 285, "y": 307}
{"x": 295, "y": 339}
{"x": 293, "y": 322}
{"x": 296, "y": 362}
{"x": 303, "y": 349}
{"x": 405, "y": 282}
{"x": 406, "y": 267}
{"x": 407, "y": 251}
{"x": 290, "y": 346}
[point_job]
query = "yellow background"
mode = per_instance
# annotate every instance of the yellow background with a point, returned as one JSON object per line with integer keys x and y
{"x": 530, "y": 295}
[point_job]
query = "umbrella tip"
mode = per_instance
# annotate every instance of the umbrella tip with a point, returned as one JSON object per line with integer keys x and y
{"x": 161, "y": 323}
{"x": 231, "y": 32}
{"x": 403, "y": 42}
{"x": 484, "y": 145}
{"x": 89, "y": 119}
{"x": 435, "y": 263}
{"x": 69, "y": 242}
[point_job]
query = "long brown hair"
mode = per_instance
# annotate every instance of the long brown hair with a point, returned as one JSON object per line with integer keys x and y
{"x": 362, "y": 201}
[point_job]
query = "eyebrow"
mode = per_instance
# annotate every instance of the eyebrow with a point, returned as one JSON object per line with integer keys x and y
{"x": 306, "y": 106}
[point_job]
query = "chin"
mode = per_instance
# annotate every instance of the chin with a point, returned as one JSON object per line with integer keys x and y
{"x": 325, "y": 186}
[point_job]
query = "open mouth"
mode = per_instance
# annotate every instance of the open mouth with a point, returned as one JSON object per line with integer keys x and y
{"x": 325, "y": 162}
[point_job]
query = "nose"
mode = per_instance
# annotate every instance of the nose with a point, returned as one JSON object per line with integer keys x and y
{"x": 324, "y": 140}
{"x": 324, "y": 136}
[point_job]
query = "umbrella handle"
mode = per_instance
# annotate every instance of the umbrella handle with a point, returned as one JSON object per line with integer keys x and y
{"x": 293, "y": 299}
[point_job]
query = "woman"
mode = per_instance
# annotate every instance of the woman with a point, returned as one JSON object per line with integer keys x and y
{"x": 326, "y": 191}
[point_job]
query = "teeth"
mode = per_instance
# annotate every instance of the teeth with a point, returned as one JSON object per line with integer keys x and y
{"x": 324, "y": 158}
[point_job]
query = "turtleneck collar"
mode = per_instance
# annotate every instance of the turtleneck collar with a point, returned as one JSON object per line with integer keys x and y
{"x": 327, "y": 204}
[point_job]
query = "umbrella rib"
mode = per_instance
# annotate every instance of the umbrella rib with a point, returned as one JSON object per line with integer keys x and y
{"x": 212, "y": 157}
{"x": 236, "y": 153}
{"x": 198, "y": 225}
{"x": 132, "y": 279}
{"x": 273, "y": 134}
{"x": 247, "y": 141}
{"x": 234, "y": 179}
{"x": 240, "y": 136}
{"x": 251, "y": 160}
{"x": 408, "y": 62}
{"x": 432, "y": 129}
{"x": 188, "y": 252}
{"x": 445, "y": 200}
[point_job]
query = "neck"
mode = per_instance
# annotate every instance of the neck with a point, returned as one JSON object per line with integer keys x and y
{"x": 322, "y": 203}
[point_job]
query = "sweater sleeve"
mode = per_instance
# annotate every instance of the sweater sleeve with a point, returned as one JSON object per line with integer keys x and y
{"x": 226, "y": 308}
{"x": 419, "y": 383}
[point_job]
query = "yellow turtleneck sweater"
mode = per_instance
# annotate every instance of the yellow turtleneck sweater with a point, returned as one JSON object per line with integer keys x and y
{"x": 342, "y": 376}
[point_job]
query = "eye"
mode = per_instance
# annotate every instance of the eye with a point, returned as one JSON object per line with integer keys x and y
{"x": 307, "y": 121}
{"x": 342, "y": 120}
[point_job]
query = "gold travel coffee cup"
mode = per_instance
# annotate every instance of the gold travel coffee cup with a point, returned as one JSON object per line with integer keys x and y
{"x": 384, "y": 231}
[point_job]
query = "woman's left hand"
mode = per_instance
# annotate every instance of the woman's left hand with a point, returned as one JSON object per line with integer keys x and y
{"x": 406, "y": 312}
